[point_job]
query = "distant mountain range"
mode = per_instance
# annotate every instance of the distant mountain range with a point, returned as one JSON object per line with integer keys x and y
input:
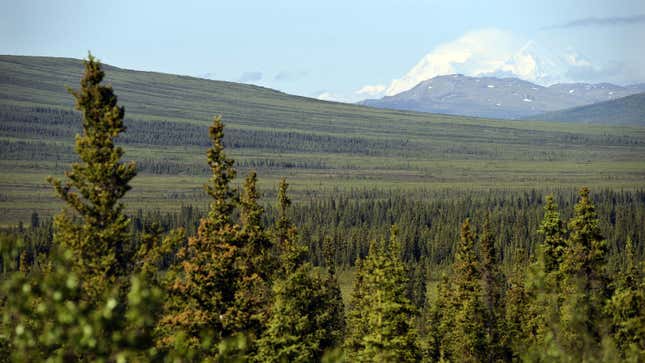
{"x": 626, "y": 110}
{"x": 493, "y": 97}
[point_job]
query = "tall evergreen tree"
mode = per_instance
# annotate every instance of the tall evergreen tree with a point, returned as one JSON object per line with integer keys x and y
{"x": 466, "y": 342}
{"x": 255, "y": 264}
{"x": 99, "y": 241}
{"x": 105, "y": 308}
{"x": 626, "y": 308}
{"x": 336, "y": 325}
{"x": 305, "y": 313}
{"x": 292, "y": 254}
{"x": 357, "y": 318}
{"x": 516, "y": 316}
{"x": 203, "y": 283}
{"x": 493, "y": 286}
{"x": 553, "y": 231}
{"x": 543, "y": 283}
{"x": 439, "y": 322}
{"x": 532, "y": 318}
{"x": 387, "y": 324}
{"x": 585, "y": 285}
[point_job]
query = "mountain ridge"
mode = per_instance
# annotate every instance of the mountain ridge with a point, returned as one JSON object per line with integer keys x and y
{"x": 495, "y": 97}
{"x": 625, "y": 110}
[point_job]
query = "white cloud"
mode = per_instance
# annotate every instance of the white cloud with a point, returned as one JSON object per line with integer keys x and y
{"x": 376, "y": 90}
{"x": 576, "y": 59}
{"x": 497, "y": 53}
{"x": 328, "y": 96}
{"x": 473, "y": 53}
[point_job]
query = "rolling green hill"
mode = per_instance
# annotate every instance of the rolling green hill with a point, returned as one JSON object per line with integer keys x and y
{"x": 624, "y": 110}
{"x": 320, "y": 146}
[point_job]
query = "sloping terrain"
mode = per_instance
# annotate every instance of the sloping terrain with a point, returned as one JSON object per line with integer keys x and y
{"x": 320, "y": 146}
{"x": 626, "y": 110}
{"x": 508, "y": 98}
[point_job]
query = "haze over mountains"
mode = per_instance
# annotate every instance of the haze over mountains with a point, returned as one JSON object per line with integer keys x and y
{"x": 497, "y": 97}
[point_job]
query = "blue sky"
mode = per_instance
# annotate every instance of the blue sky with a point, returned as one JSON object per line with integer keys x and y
{"x": 343, "y": 50}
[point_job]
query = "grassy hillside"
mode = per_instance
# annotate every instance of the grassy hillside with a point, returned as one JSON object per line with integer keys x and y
{"x": 625, "y": 110}
{"x": 320, "y": 146}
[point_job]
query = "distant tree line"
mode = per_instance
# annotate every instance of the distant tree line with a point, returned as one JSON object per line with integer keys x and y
{"x": 61, "y": 124}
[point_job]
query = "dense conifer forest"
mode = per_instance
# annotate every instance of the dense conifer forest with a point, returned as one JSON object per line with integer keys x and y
{"x": 361, "y": 275}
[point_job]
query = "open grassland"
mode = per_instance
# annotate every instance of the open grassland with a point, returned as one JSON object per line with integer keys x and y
{"x": 321, "y": 147}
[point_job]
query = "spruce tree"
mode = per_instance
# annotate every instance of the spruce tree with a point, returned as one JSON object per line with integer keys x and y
{"x": 292, "y": 254}
{"x": 540, "y": 321}
{"x": 626, "y": 308}
{"x": 439, "y": 322}
{"x": 104, "y": 307}
{"x": 553, "y": 231}
{"x": 303, "y": 320}
{"x": 533, "y": 317}
{"x": 466, "y": 342}
{"x": 255, "y": 263}
{"x": 97, "y": 232}
{"x": 357, "y": 321}
{"x": 220, "y": 288}
{"x": 305, "y": 313}
{"x": 493, "y": 285}
{"x": 585, "y": 285}
{"x": 336, "y": 325}
{"x": 202, "y": 285}
{"x": 516, "y": 316}
{"x": 386, "y": 327}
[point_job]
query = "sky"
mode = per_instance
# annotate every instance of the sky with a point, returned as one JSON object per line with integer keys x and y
{"x": 340, "y": 50}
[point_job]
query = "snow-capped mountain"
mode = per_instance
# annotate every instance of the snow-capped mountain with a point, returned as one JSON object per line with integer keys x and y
{"x": 499, "y": 97}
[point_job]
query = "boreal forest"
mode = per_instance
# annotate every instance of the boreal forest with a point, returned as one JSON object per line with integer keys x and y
{"x": 355, "y": 275}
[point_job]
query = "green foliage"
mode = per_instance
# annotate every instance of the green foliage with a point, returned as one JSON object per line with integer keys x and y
{"x": 304, "y": 318}
{"x": 307, "y": 314}
{"x": 465, "y": 341}
{"x": 493, "y": 289}
{"x": 105, "y": 308}
{"x": 540, "y": 318}
{"x": 96, "y": 285}
{"x": 553, "y": 231}
{"x": 95, "y": 186}
{"x": 585, "y": 286}
{"x": 438, "y": 322}
{"x": 626, "y": 309}
{"x": 292, "y": 254}
{"x": 204, "y": 281}
{"x": 323, "y": 146}
{"x": 384, "y": 330}
{"x": 48, "y": 317}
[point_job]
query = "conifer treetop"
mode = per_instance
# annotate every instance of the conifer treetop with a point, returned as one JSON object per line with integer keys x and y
{"x": 553, "y": 231}
{"x": 251, "y": 213}
{"x": 219, "y": 188}
{"x": 101, "y": 179}
{"x": 283, "y": 224}
{"x": 95, "y": 186}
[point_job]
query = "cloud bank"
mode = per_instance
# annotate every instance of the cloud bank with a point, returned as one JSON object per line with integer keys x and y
{"x": 475, "y": 52}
